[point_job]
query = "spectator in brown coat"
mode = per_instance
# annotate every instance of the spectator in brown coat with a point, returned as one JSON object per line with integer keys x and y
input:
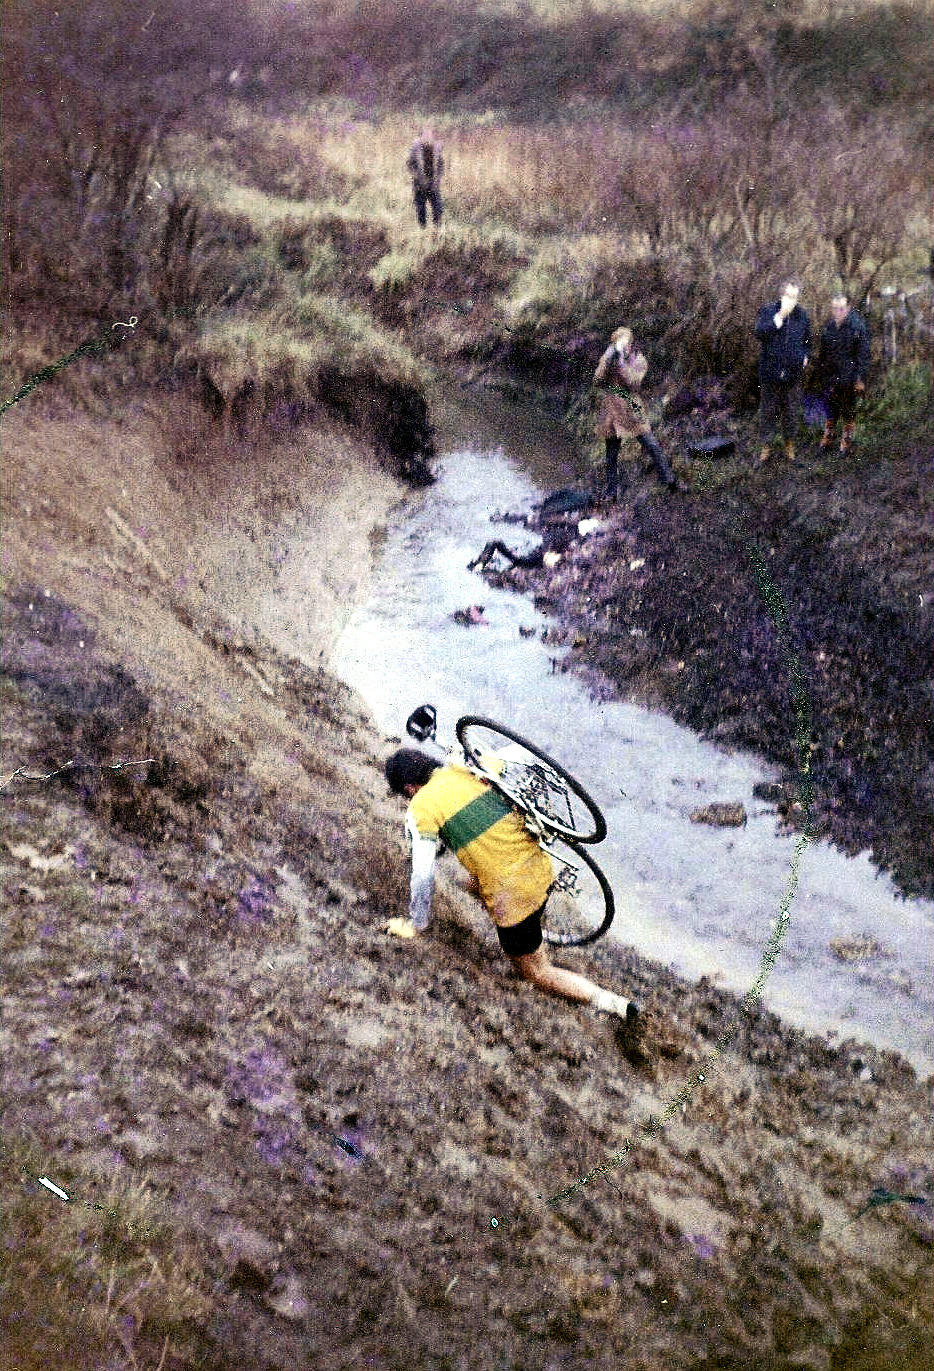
{"x": 620, "y": 372}
{"x": 425, "y": 164}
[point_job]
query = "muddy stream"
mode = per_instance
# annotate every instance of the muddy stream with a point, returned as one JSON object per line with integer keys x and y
{"x": 699, "y": 899}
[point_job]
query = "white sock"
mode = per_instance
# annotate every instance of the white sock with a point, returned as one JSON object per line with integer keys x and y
{"x": 608, "y": 1003}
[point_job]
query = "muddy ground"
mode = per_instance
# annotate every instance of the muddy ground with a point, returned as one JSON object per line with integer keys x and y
{"x": 664, "y": 605}
{"x": 301, "y": 1131}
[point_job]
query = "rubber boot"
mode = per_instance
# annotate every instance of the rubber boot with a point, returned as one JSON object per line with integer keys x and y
{"x": 613, "y": 446}
{"x": 662, "y": 465}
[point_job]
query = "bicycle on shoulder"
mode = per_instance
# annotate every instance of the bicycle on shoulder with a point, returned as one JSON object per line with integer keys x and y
{"x": 557, "y": 811}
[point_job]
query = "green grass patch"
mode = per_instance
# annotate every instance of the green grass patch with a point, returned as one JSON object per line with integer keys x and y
{"x": 903, "y": 397}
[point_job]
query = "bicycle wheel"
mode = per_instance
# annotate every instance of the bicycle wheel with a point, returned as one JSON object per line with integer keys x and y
{"x": 531, "y": 779}
{"x": 580, "y": 904}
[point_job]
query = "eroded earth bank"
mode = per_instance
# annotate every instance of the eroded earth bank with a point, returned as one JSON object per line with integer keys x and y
{"x": 299, "y": 1131}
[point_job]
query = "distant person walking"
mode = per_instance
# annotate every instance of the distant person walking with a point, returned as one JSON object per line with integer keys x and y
{"x": 425, "y": 164}
{"x": 619, "y": 374}
{"x": 784, "y": 332}
{"x": 842, "y": 364}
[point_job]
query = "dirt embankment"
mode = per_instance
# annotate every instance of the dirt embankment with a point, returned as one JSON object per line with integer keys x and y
{"x": 300, "y": 1132}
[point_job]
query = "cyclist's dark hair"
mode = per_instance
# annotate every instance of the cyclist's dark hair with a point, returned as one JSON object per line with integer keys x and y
{"x": 408, "y": 766}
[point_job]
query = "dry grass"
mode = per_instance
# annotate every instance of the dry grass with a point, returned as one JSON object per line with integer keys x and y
{"x": 114, "y": 1291}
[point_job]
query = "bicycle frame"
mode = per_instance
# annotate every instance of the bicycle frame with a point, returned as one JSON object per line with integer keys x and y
{"x": 422, "y": 726}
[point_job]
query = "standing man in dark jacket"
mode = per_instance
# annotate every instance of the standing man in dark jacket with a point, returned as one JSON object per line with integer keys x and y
{"x": 842, "y": 363}
{"x": 784, "y": 331}
{"x": 425, "y": 164}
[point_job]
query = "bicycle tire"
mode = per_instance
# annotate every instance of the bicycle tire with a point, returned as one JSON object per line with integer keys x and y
{"x": 554, "y": 823}
{"x": 589, "y": 912}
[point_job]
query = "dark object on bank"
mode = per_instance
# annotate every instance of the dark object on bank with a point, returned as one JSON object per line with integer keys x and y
{"x": 422, "y": 723}
{"x": 712, "y": 447}
{"x": 566, "y": 501}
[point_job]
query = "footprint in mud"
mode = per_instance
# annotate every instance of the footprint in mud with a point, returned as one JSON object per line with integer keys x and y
{"x": 635, "y": 1044}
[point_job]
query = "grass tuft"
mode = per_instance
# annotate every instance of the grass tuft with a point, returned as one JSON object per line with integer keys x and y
{"x": 114, "y": 1290}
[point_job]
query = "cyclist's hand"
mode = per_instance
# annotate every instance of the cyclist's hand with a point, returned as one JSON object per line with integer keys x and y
{"x": 401, "y": 928}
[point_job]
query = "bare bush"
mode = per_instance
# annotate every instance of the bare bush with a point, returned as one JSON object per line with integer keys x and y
{"x": 863, "y": 182}
{"x": 92, "y": 89}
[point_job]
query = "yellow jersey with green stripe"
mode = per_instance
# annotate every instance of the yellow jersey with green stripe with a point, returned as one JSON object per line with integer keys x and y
{"x": 489, "y": 838}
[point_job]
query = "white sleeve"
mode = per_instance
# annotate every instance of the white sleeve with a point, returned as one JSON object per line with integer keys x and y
{"x": 424, "y": 851}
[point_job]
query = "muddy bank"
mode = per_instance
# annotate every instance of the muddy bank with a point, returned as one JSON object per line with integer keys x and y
{"x": 299, "y": 1133}
{"x": 663, "y": 606}
{"x": 200, "y": 1007}
{"x": 168, "y": 500}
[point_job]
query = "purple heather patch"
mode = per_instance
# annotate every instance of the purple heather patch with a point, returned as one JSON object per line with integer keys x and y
{"x": 255, "y": 900}
{"x": 702, "y": 1245}
{"x": 263, "y": 1079}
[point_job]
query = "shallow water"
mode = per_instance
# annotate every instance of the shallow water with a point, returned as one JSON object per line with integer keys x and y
{"x": 702, "y": 900}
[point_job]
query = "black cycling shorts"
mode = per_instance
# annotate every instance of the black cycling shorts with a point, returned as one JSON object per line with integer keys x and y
{"x": 519, "y": 940}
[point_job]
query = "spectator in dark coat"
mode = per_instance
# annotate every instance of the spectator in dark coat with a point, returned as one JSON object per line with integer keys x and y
{"x": 425, "y": 164}
{"x": 842, "y": 363}
{"x": 784, "y": 332}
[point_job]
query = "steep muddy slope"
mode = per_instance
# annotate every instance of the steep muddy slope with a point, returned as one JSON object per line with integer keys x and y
{"x": 199, "y": 1000}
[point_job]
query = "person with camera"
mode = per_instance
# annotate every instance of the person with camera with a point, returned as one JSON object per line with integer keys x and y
{"x": 784, "y": 332}
{"x": 619, "y": 374}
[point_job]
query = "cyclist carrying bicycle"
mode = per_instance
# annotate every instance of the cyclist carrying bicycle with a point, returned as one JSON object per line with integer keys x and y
{"x": 450, "y": 804}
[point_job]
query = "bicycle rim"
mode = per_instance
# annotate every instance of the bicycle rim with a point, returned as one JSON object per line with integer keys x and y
{"x": 530, "y": 778}
{"x": 580, "y": 904}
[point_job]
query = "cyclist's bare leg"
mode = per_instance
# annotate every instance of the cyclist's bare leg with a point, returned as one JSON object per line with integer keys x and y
{"x": 537, "y": 968}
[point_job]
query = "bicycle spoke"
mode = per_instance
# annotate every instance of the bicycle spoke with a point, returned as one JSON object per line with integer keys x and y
{"x": 580, "y": 903}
